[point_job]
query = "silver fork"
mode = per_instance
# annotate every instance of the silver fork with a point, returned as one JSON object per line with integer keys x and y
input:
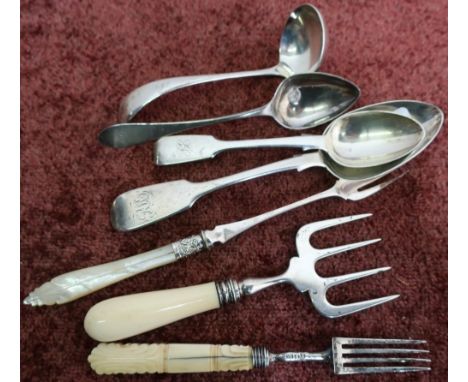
{"x": 75, "y": 284}
{"x": 347, "y": 355}
{"x": 125, "y": 316}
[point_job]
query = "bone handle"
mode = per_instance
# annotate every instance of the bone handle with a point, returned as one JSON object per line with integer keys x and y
{"x": 73, "y": 285}
{"x": 122, "y": 317}
{"x": 117, "y": 358}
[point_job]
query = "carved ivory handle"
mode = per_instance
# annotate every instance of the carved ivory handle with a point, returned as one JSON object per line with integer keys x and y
{"x": 169, "y": 358}
{"x": 126, "y": 316}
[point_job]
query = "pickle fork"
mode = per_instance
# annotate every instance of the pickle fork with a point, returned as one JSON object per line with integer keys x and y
{"x": 125, "y": 316}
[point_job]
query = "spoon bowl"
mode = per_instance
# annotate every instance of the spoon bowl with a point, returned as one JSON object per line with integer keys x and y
{"x": 429, "y": 116}
{"x": 303, "y": 41}
{"x": 371, "y": 138}
{"x": 305, "y": 101}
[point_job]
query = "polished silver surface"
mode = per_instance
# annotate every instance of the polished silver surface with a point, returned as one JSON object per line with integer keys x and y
{"x": 300, "y": 102}
{"x": 301, "y": 272}
{"x": 356, "y": 139}
{"x": 358, "y": 356}
{"x": 302, "y": 48}
{"x": 73, "y": 285}
{"x": 345, "y": 189}
{"x": 140, "y": 207}
{"x": 429, "y": 116}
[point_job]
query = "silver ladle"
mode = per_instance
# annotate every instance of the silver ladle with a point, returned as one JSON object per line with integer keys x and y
{"x": 302, "y": 47}
{"x": 300, "y": 102}
{"x": 146, "y": 205}
{"x": 356, "y": 139}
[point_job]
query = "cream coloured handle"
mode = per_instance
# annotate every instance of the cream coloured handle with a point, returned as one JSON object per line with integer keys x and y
{"x": 117, "y": 358}
{"x": 125, "y": 316}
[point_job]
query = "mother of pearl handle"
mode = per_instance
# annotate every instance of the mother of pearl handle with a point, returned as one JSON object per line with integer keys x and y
{"x": 117, "y": 358}
{"x": 73, "y": 285}
{"x": 126, "y": 316}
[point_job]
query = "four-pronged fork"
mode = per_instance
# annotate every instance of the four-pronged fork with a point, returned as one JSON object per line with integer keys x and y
{"x": 347, "y": 355}
{"x": 126, "y": 316}
{"x": 73, "y": 285}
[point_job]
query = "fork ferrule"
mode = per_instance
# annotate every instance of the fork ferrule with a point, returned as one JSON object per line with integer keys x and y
{"x": 228, "y": 291}
{"x": 260, "y": 357}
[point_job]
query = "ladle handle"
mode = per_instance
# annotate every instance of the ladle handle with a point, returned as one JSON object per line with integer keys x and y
{"x": 149, "y": 92}
{"x": 123, "y": 135}
{"x": 189, "y": 148}
{"x": 126, "y": 316}
{"x": 79, "y": 283}
{"x": 116, "y": 358}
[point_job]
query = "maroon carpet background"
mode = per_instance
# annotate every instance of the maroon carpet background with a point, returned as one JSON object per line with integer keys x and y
{"x": 79, "y": 58}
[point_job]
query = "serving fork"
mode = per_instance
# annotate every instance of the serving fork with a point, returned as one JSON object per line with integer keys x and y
{"x": 346, "y": 355}
{"x": 125, "y": 316}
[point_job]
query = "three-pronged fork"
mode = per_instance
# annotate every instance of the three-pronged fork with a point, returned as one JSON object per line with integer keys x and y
{"x": 126, "y": 316}
{"x": 347, "y": 355}
{"x": 73, "y": 285}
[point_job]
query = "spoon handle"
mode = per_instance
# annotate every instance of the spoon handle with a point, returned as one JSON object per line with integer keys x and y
{"x": 149, "y": 92}
{"x": 128, "y": 134}
{"x": 142, "y": 206}
{"x": 190, "y": 148}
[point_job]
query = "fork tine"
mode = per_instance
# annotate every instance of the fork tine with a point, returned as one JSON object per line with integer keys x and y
{"x": 379, "y": 341}
{"x": 382, "y": 351}
{"x": 358, "y": 195}
{"x": 382, "y": 369}
{"x": 309, "y": 229}
{"x": 334, "y": 311}
{"x": 385, "y": 360}
{"x": 336, "y": 280}
{"x": 343, "y": 248}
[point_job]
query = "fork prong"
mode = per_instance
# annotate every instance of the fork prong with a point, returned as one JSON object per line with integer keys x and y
{"x": 322, "y": 253}
{"x": 378, "y": 341}
{"x": 384, "y": 360}
{"x": 336, "y": 280}
{"x": 382, "y": 351}
{"x": 382, "y": 369}
{"x": 358, "y": 195}
{"x": 311, "y": 228}
{"x": 334, "y": 311}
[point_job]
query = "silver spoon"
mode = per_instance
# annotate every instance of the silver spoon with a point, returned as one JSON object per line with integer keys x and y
{"x": 429, "y": 116}
{"x": 356, "y": 139}
{"x": 302, "y": 47}
{"x": 300, "y": 102}
{"x": 146, "y": 205}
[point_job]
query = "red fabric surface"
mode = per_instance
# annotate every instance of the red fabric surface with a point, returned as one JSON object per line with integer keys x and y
{"x": 78, "y": 59}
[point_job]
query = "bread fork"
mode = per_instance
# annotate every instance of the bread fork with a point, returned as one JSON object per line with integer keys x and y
{"x": 125, "y": 316}
{"x": 347, "y": 356}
